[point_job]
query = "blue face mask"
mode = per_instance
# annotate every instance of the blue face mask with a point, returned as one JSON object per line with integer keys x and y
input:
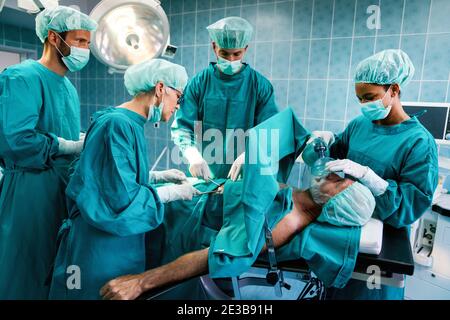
{"x": 155, "y": 113}
{"x": 229, "y": 67}
{"x": 375, "y": 110}
{"x": 77, "y": 59}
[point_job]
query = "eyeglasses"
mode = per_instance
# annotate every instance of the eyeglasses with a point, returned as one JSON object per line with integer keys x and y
{"x": 181, "y": 98}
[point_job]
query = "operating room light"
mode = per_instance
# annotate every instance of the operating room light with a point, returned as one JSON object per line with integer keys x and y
{"x": 129, "y": 32}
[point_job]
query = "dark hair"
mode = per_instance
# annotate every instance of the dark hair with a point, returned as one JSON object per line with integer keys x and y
{"x": 387, "y": 86}
{"x": 61, "y": 34}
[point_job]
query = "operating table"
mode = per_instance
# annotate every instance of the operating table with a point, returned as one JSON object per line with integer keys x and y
{"x": 382, "y": 248}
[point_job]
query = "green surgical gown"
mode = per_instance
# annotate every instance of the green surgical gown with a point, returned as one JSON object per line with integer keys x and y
{"x": 36, "y": 106}
{"x": 222, "y": 102}
{"x": 111, "y": 206}
{"x": 405, "y": 155}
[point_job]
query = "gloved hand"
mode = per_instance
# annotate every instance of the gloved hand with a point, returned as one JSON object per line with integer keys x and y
{"x": 198, "y": 167}
{"x": 365, "y": 175}
{"x": 308, "y": 154}
{"x": 175, "y": 192}
{"x": 69, "y": 147}
{"x": 236, "y": 167}
{"x": 171, "y": 175}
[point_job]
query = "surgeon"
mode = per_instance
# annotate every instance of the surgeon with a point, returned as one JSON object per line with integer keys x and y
{"x": 387, "y": 150}
{"x": 229, "y": 94}
{"x": 112, "y": 196}
{"x": 334, "y": 200}
{"x": 39, "y": 138}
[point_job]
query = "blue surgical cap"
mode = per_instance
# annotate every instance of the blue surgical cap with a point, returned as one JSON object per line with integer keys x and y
{"x": 351, "y": 207}
{"x": 231, "y": 33}
{"x": 62, "y": 19}
{"x": 144, "y": 76}
{"x": 385, "y": 67}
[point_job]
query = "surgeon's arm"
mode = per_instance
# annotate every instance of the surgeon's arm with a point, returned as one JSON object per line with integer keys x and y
{"x": 132, "y": 286}
{"x": 182, "y": 129}
{"x": 407, "y": 198}
{"x": 20, "y": 141}
{"x": 111, "y": 198}
{"x": 339, "y": 149}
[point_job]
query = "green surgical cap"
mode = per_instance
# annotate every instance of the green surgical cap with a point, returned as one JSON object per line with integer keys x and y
{"x": 144, "y": 76}
{"x": 385, "y": 67}
{"x": 231, "y": 33}
{"x": 62, "y": 19}
{"x": 352, "y": 207}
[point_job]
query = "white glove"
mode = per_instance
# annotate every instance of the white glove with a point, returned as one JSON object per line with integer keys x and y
{"x": 176, "y": 192}
{"x": 68, "y": 147}
{"x": 365, "y": 175}
{"x": 171, "y": 175}
{"x": 327, "y": 136}
{"x": 198, "y": 167}
{"x": 236, "y": 167}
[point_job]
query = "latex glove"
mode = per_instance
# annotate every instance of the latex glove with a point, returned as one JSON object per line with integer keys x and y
{"x": 171, "y": 175}
{"x": 69, "y": 147}
{"x": 198, "y": 167}
{"x": 365, "y": 175}
{"x": 175, "y": 192}
{"x": 236, "y": 167}
{"x": 347, "y": 166}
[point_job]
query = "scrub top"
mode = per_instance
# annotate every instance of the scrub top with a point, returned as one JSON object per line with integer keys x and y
{"x": 221, "y": 102}
{"x": 405, "y": 155}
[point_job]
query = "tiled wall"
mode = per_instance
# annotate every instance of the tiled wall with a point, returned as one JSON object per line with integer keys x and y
{"x": 307, "y": 48}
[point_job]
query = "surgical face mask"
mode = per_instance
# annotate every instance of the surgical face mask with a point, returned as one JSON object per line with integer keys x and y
{"x": 77, "y": 59}
{"x": 155, "y": 112}
{"x": 229, "y": 67}
{"x": 375, "y": 110}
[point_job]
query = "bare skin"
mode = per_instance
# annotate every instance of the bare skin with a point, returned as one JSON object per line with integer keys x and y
{"x": 370, "y": 92}
{"x": 142, "y": 102}
{"x": 193, "y": 264}
{"x": 52, "y": 59}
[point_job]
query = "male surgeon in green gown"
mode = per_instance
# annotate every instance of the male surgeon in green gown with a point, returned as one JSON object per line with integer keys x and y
{"x": 227, "y": 96}
{"x": 39, "y": 138}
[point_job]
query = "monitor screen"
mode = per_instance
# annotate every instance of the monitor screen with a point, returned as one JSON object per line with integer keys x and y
{"x": 434, "y": 119}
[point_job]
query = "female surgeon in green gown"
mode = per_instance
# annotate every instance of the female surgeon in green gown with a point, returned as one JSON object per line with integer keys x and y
{"x": 111, "y": 199}
{"x": 388, "y": 151}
